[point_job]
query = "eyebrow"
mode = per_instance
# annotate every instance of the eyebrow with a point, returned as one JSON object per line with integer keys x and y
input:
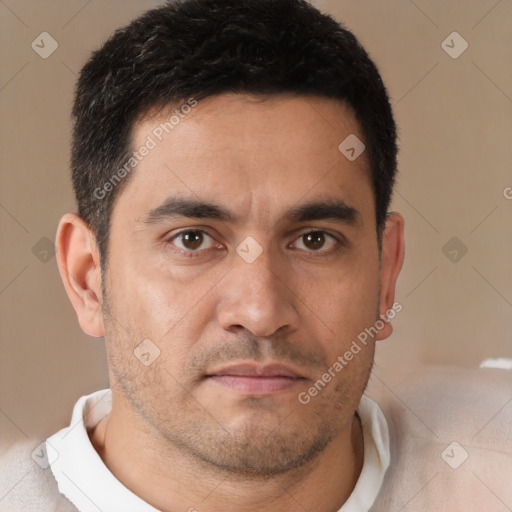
{"x": 327, "y": 209}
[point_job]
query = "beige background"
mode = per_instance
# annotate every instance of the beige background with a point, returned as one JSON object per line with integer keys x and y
{"x": 455, "y": 120}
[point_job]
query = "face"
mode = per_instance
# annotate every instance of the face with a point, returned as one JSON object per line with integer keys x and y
{"x": 244, "y": 248}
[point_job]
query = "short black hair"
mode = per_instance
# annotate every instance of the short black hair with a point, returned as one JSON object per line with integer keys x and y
{"x": 200, "y": 48}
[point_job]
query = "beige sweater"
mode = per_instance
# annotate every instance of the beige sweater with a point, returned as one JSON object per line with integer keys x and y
{"x": 451, "y": 448}
{"x": 426, "y": 416}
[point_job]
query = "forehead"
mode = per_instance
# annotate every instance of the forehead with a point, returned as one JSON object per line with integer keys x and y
{"x": 239, "y": 121}
{"x": 258, "y": 155}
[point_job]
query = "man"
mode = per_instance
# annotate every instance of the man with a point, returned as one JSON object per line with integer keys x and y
{"x": 233, "y": 163}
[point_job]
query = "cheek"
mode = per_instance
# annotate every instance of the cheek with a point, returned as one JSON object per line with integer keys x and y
{"x": 157, "y": 301}
{"x": 139, "y": 297}
{"x": 344, "y": 297}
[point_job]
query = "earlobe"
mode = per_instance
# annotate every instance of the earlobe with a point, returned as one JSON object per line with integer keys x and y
{"x": 393, "y": 250}
{"x": 79, "y": 266}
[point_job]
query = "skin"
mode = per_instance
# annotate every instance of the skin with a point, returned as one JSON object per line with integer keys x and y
{"x": 184, "y": 441}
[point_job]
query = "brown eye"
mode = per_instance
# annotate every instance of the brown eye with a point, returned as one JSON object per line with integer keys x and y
{"x": 192, "y": 240}
{"x": 316, "y": 241}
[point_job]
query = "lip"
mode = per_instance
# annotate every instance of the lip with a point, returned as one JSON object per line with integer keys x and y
{"x": 256, "y": 370}
{"x": 256, "y": 379}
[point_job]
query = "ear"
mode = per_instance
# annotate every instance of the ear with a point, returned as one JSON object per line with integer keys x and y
{"x": 393, "y": 249}
{"x": 79, "y": 266}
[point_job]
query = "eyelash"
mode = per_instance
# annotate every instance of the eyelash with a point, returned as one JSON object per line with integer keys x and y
{"x": 198, "y": 253}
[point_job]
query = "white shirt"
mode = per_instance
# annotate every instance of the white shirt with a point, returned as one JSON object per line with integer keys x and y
{"x": 85, "y": 480}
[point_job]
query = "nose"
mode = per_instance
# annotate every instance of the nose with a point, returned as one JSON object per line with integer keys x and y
{"x": 258, "y": 296}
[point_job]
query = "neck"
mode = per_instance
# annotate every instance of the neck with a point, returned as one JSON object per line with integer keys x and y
{"x": 170, "y": 480}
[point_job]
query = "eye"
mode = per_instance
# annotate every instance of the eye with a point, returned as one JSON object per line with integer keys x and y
{"x": 314, "y": 241}
{"x": 192, "y": 240}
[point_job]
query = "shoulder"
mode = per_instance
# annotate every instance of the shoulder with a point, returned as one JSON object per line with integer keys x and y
{"x": 27, "y": 483}
{"x": 471, "y": 403}
{"x": 451, "y": 439}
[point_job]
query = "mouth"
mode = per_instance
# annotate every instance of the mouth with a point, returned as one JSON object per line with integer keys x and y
{"x": 256, "y": 379}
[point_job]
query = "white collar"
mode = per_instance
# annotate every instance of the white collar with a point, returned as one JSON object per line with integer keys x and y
{"x": 80, "y": 473}
{"x": 85, "y": 480}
